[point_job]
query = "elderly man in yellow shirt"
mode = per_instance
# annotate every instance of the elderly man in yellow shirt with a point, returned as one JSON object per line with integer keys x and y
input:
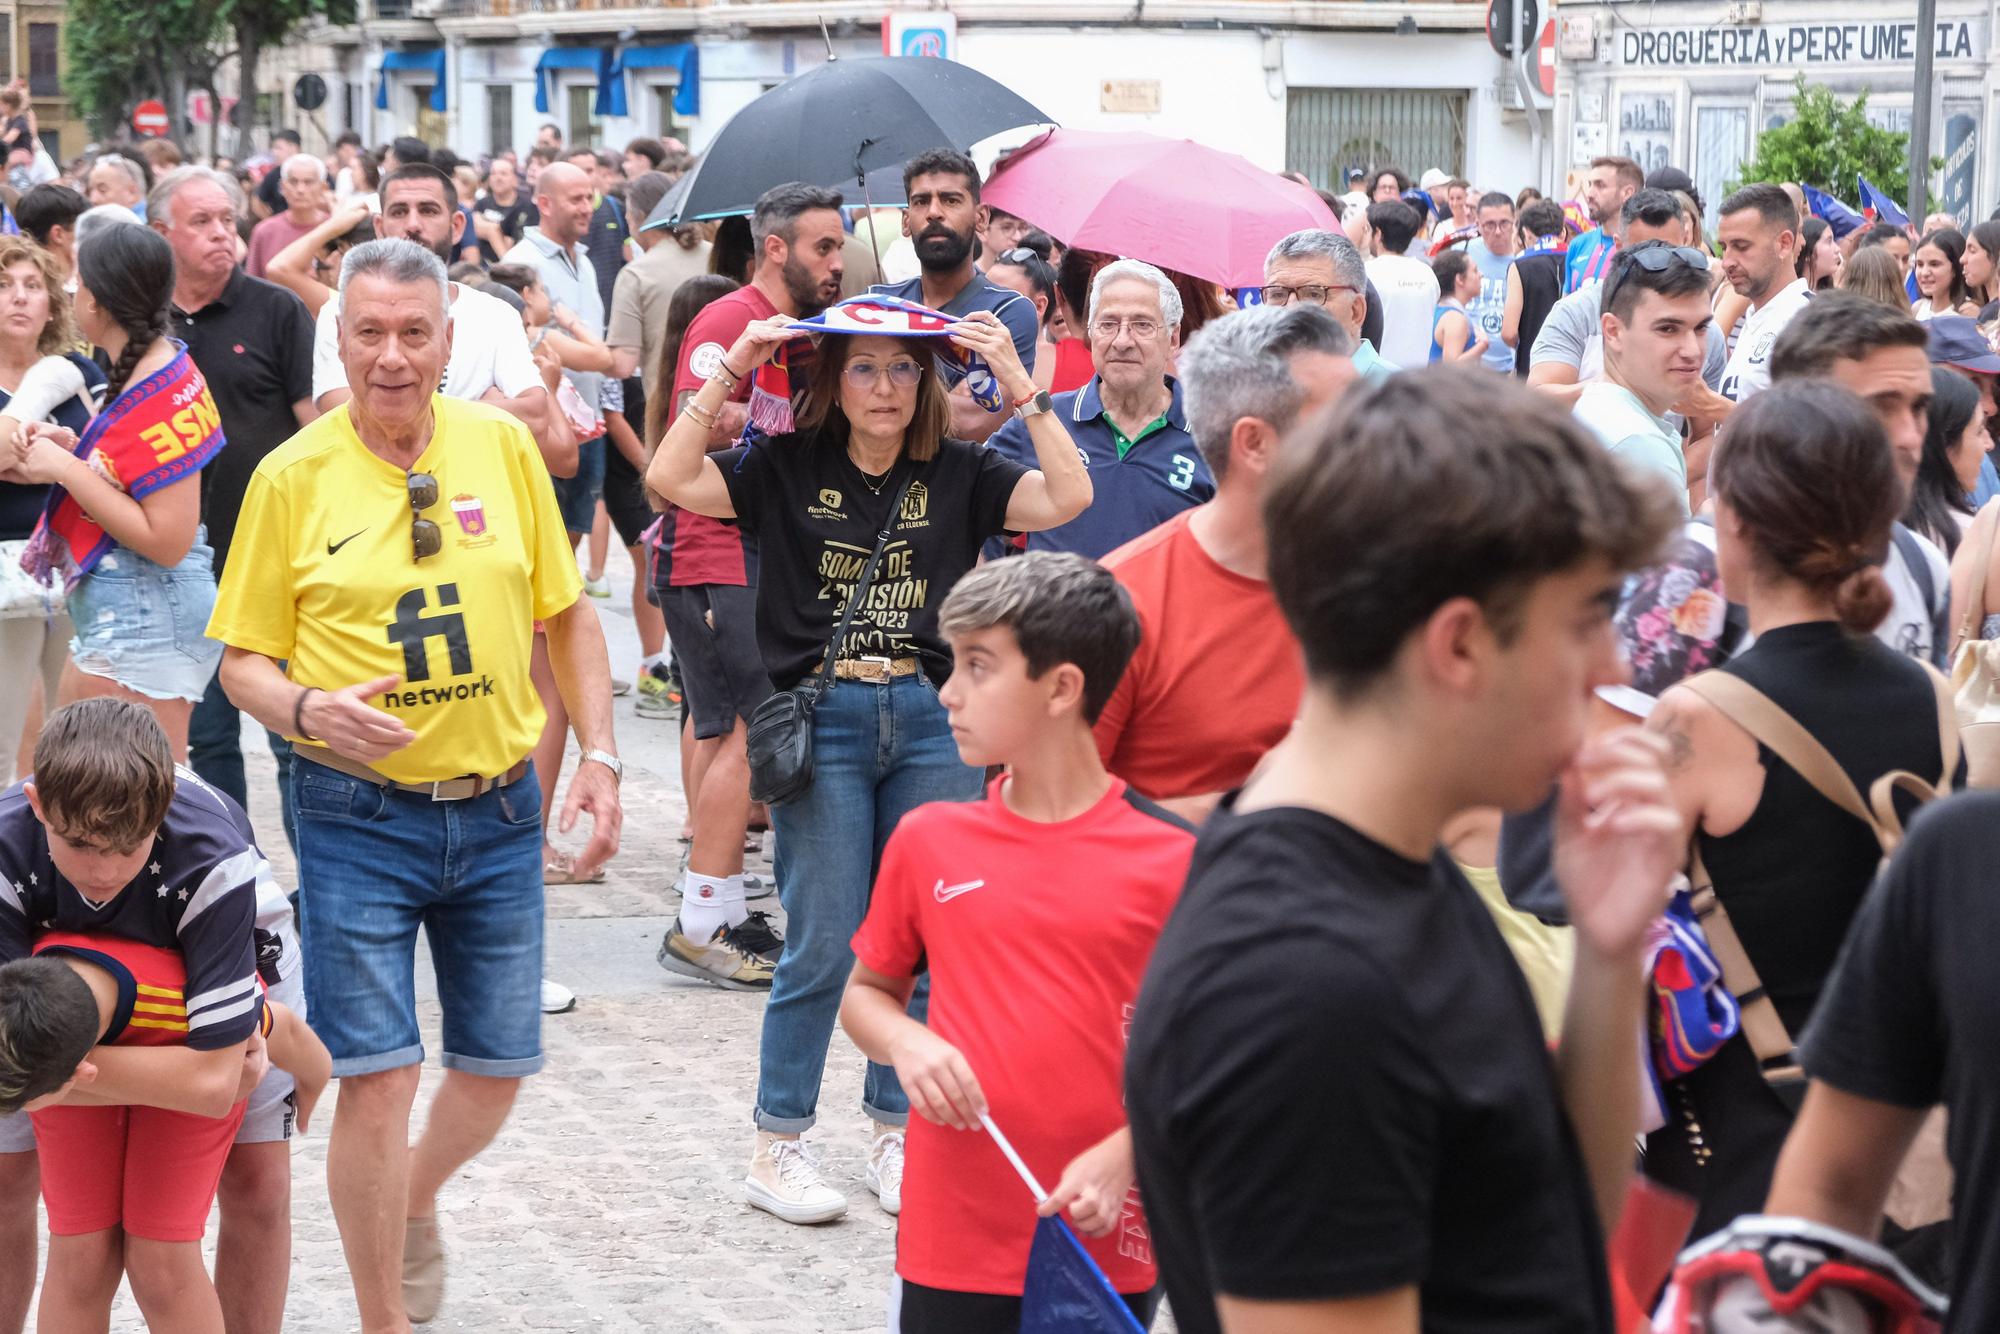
{"x": 392, "y": 560}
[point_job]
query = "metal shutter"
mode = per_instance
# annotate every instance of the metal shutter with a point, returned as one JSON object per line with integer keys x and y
{"x": 1328, "y": 130}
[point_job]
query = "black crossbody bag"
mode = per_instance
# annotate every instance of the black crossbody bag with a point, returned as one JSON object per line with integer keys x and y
{"x": 780, "y": 736}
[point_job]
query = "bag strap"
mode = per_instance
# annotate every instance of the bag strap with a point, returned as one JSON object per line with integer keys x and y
{"x": 1756, "y": 713}
{"x": 1975, "y": 592}
{"x": 824, "y": 682}
{"x": 1762, "y": 1027}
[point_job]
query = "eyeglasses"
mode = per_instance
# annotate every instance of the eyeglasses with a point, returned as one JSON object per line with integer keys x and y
{"x": 1311, "y": 293}
{"x": 1140, "y": 329}
{"x": 1653, "y": 257}
{"x": 426, "y": 538}
{"x": 866, "y": 375}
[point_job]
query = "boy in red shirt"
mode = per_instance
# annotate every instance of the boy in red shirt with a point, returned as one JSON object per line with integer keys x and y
{"x": 1035, "y": 912}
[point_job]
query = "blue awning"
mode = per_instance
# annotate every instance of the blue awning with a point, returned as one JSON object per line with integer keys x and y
{"x": 685, "y": 57}
{"x": 417, "y": 60}
{"x": 597, "y": 59}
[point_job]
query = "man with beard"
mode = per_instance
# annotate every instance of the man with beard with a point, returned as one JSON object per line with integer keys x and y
{"x": 702, "y": 576}
{"x": 490, "y": 359}
{"x": 942, "y": 219}
{"x": 1612, "y": 181}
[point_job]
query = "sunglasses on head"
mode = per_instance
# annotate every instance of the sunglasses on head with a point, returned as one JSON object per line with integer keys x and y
{"x": 1653, "y": 257}
{"x": 426, "y": 538}
{"x": 1020, "y": 254}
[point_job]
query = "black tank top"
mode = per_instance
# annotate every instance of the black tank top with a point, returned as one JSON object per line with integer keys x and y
{"x": 1541, "y": 279}
{"x": 1794, "y": 874}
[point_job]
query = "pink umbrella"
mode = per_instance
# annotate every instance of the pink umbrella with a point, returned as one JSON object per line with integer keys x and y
{"x": 1170, "y": 202}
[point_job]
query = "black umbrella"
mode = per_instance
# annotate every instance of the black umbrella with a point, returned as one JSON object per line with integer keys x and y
{"x": 883, "y": 188}
{"x": 838, "y": 124}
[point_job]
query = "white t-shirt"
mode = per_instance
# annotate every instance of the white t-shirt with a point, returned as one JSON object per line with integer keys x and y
{"x": 489, "y": 349}
{"x": 1409, "y": 292}
{"x": 1629, "y": 429}
{"x": 1749, "y": 368}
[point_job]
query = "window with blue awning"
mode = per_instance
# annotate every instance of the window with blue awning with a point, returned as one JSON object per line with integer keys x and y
{"x": 416, "y": 60}
{"x": 684, "y": 57}
{"x": 597, "y": 60}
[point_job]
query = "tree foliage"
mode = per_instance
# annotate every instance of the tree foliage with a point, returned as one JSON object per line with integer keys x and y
{"x": 1828, "y": 142}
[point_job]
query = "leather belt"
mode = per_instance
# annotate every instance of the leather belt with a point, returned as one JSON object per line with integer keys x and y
{"x": 878, "y": 671}
{"x": 462, "y": 788}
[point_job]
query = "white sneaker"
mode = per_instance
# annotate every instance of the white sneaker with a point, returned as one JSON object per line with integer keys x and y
{"x": 784, "y": 1180}
{"x": 885, "y": 1170}
{"x": 600, "y": 587}
{"x": 557, "y": 998}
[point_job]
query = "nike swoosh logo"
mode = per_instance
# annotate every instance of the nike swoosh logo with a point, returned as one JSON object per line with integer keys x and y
{"x": 333, "y": 548}
{"x": 944, "y": 893}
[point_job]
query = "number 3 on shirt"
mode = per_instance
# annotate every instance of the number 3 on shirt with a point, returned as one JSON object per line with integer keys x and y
{"x": 1182, "y": 477}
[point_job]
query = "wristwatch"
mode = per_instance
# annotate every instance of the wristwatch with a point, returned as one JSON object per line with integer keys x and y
{"x": 1034, "y": 405}
{"x": 608, "y": 760}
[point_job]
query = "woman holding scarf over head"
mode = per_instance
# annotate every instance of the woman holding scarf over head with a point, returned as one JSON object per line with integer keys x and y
{"x": 865, "y": 448}
{"x": 123, "y": 523}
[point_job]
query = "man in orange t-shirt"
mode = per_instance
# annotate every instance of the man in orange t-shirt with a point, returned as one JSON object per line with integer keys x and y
{"x": 1217, "y": 679}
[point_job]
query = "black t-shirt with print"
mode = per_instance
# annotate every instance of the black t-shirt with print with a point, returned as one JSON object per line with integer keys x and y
{"x": 816, "y": 515}
{"x": 1338, "y": 1087}
{"x": 513, "y": 218}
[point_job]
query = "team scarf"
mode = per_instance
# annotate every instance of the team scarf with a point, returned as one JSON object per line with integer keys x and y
{"x": 1690, "y": 1014}
{"x": 872, "y": 315}
{"x": 157, "y": 432}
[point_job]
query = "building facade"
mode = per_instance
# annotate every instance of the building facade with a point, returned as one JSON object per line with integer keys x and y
{"x": 1313, "y": 86}
{"x": 31, "y": 49}
{"x": 1694, "y": 82}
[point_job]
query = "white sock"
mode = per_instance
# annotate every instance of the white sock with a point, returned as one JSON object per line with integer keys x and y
{"x": 709, "y": 902}
{"x": 650, "y": 661}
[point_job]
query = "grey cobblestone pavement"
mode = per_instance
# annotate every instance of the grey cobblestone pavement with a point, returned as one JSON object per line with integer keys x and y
{"x": 610, "y": 1201}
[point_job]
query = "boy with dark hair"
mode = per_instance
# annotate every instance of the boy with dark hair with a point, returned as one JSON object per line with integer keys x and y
{"x": 144, "y": 882}
{"x": 1342, "y": 1107}
{"x": 1036, "y": 1034}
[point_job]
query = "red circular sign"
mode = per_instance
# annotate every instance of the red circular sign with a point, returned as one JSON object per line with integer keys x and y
{"x": 1545, "y": 59}
{"x": 150, "y": 118}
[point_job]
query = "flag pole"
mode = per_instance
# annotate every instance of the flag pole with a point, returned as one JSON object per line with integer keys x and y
{"x": 1034, "y": 1186}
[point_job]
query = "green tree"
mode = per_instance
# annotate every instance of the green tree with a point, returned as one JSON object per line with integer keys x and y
{"x": 121, "y": 52}
{"x": 1828, "y": 142}
{"x": 259, "y": 25}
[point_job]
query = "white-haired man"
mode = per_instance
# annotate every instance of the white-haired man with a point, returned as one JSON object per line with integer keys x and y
{"x": 1128, "y": 421}
{"x": 1323, "y": 268}
{"x": 118, "y": 180}
{"x": 396, "y": 555}
{"x": 302, "y": 181}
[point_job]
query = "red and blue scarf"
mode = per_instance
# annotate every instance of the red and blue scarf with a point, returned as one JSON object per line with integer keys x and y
{"x": 157, "y": 432}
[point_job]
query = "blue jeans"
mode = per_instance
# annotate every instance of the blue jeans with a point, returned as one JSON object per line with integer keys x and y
{"x": 374, "y": 865}
{"x": 215, "y": 753}
{"x": 879, "y": 752}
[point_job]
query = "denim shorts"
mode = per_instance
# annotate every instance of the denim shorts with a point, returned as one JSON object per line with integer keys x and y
{"x": 145, "y": 626}
{"x": 376, "y": 864}
{"x": 577, "y": 496}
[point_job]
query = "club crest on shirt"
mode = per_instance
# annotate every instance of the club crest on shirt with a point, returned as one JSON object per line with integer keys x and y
{"x": 470, "y": 511}
{"x": 706, "y": 360}
{"x": 916, "y": 506}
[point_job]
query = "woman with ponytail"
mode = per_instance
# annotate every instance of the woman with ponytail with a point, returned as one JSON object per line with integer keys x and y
{"x": 122, "y": 526}
{"x": 1806, "y": 493}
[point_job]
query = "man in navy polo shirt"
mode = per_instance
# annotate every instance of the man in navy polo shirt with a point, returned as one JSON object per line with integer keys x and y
{"x": 1128, "y": 422}
{"x": 943, "y": 218}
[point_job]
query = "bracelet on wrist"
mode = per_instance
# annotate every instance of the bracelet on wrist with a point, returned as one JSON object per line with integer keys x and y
{"x": 734, "y": 374}
{"x": 299, "y": 713}
{"x": 701, "y": 417}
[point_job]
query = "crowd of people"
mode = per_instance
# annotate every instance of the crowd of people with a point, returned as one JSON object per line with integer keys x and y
{"x": 1394, "y": 846}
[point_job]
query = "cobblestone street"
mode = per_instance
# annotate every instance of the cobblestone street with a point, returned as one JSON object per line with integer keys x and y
{"x": 610, "y": 1201}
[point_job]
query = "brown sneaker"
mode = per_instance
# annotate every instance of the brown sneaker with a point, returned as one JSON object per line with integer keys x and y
{"x": 423, "y": 1270}
{"x": 729, "y": 958}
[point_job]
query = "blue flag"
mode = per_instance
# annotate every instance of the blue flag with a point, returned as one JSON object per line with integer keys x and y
{"x": 1066, "y": 1293}
{"x": 1883, "y": 206}
{"x": 1839, "y": 218}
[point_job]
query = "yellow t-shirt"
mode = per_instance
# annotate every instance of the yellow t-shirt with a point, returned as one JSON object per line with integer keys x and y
{"x": 321, "y": 573}
{"x": 1544, "y": 952}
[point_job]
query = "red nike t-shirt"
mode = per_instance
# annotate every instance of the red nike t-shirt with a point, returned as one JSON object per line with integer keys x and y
{"x": 1218, "y": 676}
{"x": 1036, "y": 936}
